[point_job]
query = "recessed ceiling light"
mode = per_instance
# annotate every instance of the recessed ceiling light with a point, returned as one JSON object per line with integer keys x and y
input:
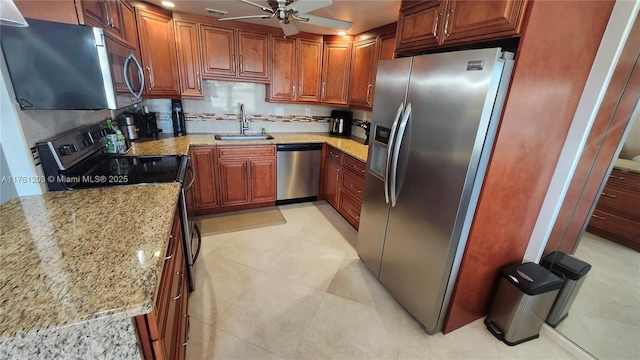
{"x": 168, "y": 4}
{"x": 341, "y": 33}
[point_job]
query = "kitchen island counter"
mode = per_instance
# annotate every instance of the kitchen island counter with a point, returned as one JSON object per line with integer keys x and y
{"x": 77, "y": 266}
{"x": 180, "y": 145}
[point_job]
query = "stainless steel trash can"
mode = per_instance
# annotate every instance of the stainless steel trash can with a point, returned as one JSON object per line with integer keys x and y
{"x": 573, "y": 272}
{"x": 523, "y": 300}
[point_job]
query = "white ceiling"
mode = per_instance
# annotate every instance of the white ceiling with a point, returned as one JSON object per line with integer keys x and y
{"x": 364, "y": 14}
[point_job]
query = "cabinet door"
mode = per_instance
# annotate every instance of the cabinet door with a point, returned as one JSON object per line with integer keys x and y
{"x": 253, "y": 52}
{"x": 158, "y": 52}
{"x": 218, "y": 52}
{"x": 263, "y": 180}
{"x": 363, "y": 72}
{"x": 105, "y": 14}
{"x": 467, "y": 20}
{"x": 205, "y": 194}
{"x": 283, "y": 65}
{"x": 188, "y": 49}
{"x": 309, "y": 70}
{"x": 419, "y": 26}
{"x": 129, "y": 24}
{"x": 335, "y": 72}
{"x": 387, "y": 47}
{"x": 331, "y": 182}
{"x": 234, "y": 182}
{"x": 62, "y": 11}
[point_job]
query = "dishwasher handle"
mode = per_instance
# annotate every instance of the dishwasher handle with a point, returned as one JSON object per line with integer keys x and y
{"x": 299, "y": 147}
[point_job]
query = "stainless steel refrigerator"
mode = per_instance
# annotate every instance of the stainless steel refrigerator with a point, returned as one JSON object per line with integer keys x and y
{"x": 434, "y": 123}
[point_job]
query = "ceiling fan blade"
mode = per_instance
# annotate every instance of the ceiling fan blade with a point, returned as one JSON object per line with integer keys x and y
{"x": 305, "y": 6}
{"x": 246, "y": 17}
{"x": 264, "y": 8}
{"x": 327, "y": 22}
{"x": 290, "y": 28}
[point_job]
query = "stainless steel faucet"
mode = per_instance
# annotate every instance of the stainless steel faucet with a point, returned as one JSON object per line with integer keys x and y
{"x": 244, "y": 124}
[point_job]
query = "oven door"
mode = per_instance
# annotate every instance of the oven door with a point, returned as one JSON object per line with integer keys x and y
{"x": 191, "y": 231}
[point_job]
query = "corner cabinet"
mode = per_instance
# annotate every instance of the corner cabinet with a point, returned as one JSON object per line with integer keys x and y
{"x": 344, "y": 183}
{"x": 231, "y": 54}
{"x": 617, "y": 213}
{"x": 188, "y": 53}
{"x": 158, "y": 52}
{"x": 296, "y": 65}
{"x": 429, "y": 24}
{"x": 336, "y": 64}
{"x": 164, "y": 332}
{"x": 247, "y": 175}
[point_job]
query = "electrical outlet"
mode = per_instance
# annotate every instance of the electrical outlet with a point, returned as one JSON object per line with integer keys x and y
{"x": 364, "y": 115}
{"x": 307, "y": 112}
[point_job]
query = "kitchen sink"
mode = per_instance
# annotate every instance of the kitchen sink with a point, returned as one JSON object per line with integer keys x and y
{"x": 237, "y": 137}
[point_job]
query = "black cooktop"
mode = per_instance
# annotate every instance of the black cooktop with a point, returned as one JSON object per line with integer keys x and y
{"x": 107, "y": 170}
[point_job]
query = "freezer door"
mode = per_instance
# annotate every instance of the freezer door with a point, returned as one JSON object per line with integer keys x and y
{"x": 391, "y": 88}
{"x": 451, "y": 97}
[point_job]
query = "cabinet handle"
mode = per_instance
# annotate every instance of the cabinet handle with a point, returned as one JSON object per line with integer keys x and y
{"x": 173, "y": 247}
{"x": 435, "y": 25}
{"x": 617, "y": 177}
{"x": 358, "y": 191}
{"x": 151, "y": 82}
{"x": 244, "y": 168}
{"x": 368, "y": 92}
{"x": 446, "y": 24}
{"x": 338, "y": 175}
{"x": 109, "y": 16}
{"x": 233, "y": 62}
{"x": 105, "y": 20}
{"x": 253, "y": 170}
{"x": 355, "y": 167}
{"x": 299, "y": 87}
{"x": 355, "y": 213}
{"x": 599, "y": 217}
{"x": 198, "y": 81}
{"x": 323, "y": 87}
{"x": 293, "y": 89}
{"x": 334, "y": 155}
{"x": 188, "y": 329}
{"x": 241, "y": 65}
{"x": 179, "y": 286}
{"x": 608, "y": 195}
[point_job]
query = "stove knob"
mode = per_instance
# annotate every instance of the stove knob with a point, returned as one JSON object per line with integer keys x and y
{"x": 67, "y": 149}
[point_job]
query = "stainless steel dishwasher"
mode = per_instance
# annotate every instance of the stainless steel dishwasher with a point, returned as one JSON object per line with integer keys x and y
{"x": 298, "y": 170}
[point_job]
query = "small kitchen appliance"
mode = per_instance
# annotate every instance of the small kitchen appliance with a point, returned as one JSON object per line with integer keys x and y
{"x": 179, "y": 128}
{"x": 341, "y": 122}
{"x": 128, "y": 126}
{"x": 147, "y": 125}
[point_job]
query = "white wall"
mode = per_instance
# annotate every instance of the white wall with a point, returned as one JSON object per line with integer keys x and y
{"x": 613, "y": 40}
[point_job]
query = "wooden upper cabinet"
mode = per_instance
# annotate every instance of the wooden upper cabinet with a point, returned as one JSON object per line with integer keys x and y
{"x": 253, "y": 56}
{"x": 387, "y": 47}
{"x": 296, "y": 66}
{"x": 106, "y": 14}
{"x": 218, "y": 52}
{"x": 335, "y": 72}
{"x": 62, "y": 11}
{"x": 158, "y": 53}
{"x": 188, "y": 51}
{"x": 230, "y": 54}
{"x": 283, "y": 65}
{"x": 363, "y": 73}
{"x": 309, "y": 70}
{"x": 428, "y": 24}
{"x": 129, "y": 24}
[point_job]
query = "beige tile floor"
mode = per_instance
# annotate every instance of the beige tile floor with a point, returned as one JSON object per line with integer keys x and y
{"x": 299, "y": 291}
{"x": 605, "y": 317}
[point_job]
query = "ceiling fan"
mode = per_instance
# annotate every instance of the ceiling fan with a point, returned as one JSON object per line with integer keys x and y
{"x": 288, "y": 10}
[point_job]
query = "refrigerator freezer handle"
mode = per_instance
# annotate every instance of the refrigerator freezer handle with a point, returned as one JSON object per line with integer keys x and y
{"x": 396, "y": 151}
{"x": 392, "y": 137}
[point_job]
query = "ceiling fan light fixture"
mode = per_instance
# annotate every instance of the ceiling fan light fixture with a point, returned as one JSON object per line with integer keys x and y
{"x": 216, "y": 12}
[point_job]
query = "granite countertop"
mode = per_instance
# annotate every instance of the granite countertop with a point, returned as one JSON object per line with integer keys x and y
{"x": 180, "y": 145}
{"x": 627, "y": 165}
{"x": 71, "y": 256}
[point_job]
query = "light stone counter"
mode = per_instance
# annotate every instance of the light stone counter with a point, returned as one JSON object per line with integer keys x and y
{"x": 77, "y": 266}
{"x": 180, "y": 145}
{"x": 627, "y": 165}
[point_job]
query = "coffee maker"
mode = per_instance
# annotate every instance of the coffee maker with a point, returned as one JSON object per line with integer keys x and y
{"x": 179, "y": 128}
{"x": 341, "y": 122}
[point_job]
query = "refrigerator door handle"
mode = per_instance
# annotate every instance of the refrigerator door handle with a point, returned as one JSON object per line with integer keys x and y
{"x": 396, "y": 152}
{"x": 392, "y": 137}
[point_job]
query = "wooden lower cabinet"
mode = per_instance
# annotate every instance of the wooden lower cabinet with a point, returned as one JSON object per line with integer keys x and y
{"x": 203, "y": 196}
{"x": 247, "y": 175}
{"x": 164, "y": 331}
{"x": 344, "y": 184}
{"x": 617, "y": 214}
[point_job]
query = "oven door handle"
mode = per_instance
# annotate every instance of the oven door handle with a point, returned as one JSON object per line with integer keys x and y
{"x": 193, "y": 175}
{"x": 196, "y": 230}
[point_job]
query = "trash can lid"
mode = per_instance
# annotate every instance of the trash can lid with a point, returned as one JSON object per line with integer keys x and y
{"x": 566, "y": 265}
{"x": 532, "y": 278}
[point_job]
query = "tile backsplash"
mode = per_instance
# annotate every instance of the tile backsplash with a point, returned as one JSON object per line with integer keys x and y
{"x": 220, "y": 111}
